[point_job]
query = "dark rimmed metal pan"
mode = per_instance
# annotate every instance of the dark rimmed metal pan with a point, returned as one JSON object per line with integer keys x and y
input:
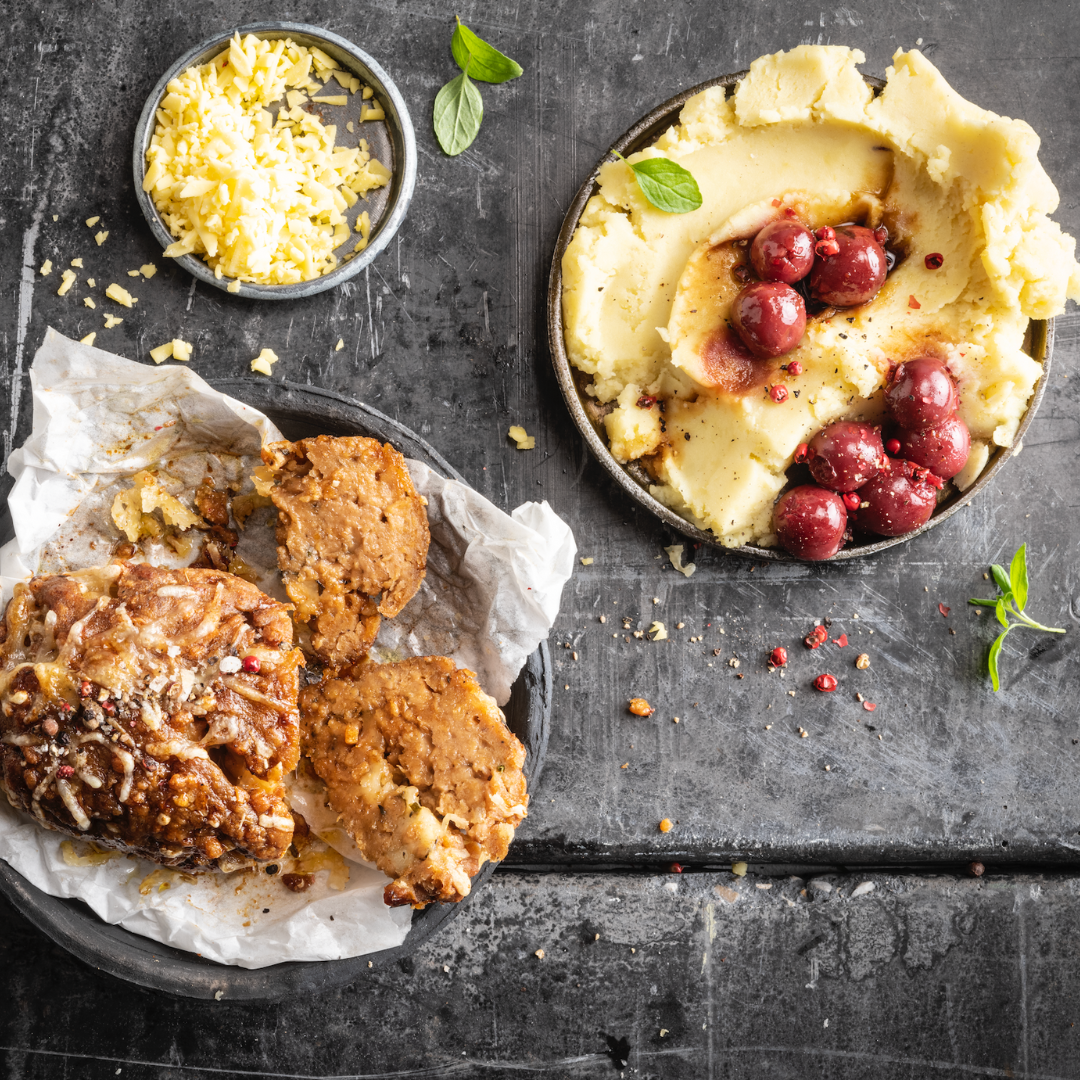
{"x": 299, "y": 411}
{"x": 1039, "y": 344}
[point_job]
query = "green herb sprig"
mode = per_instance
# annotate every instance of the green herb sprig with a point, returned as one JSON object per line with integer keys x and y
{"x": 459, "y": 108}
{"x": 1013, "y": 588}
{"x": 667, "y": 185}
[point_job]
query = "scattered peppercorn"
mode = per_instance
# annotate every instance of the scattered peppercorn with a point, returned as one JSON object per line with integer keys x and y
{"x": 666, "y": 825}
{"x": 933, "y": 260}
{"x": 976, "y": 869}
{"x": 893, "y": 446}
{"x": 251, "y": 663}
{"x": 778, "y": 657}
{"x": 825, "y": 682}
{"x": 817, "y": 637}
{"x": 778, "y": 393}
{"x": 640, "y": 707}
{"x": 794, "y": 367}
{"x": 675, "y": 868}
{"x": 803, "y": 449}
{"x": 862, "y": 661}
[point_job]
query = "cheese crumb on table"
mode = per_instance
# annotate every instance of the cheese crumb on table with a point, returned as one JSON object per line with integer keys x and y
{"x": 259, "y": 198}
{"x": 340, "y": 345}
{"x": 148, "y": 270}
{"x": 46, "y": 268}
{"x": 262, "y": 363}
{"x": 67, "y": 279}
{"x": 133, "y": 273}
{"x": 112, "y": 320}
{"x": 523, "y": 440}
{"x": 121, "y": 295}
{"x": 587, "y": 561}
{"x": 162, "y": 352}
{"x": 89, "y": 339}
{"x": 91, "y": 282}
{"x": 101, "y": 237}
{"x": 89, "y": 302}
{"x": 181, "y": 350}
{"x": 77, "y": 262}
{"x": 92, "y": 221}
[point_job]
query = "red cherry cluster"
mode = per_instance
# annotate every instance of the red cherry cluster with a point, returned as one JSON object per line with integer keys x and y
{"x": 846, "y": 267}
{"x": 887, "y": 493}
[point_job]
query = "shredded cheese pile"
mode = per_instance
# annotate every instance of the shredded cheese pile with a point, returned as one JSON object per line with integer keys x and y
{"x": 262, "y": 200}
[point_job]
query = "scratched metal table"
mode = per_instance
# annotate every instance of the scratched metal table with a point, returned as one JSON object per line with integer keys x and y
{"x": 645, "y": 972}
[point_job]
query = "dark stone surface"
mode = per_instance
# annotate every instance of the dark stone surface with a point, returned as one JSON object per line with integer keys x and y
{"x": 924, "y": 976}
{"x": 677, "y": 976}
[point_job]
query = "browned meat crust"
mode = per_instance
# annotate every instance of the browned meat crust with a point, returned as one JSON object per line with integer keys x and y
{"x": 352, "y": 538}
{"x": 423, "y": 770}
{"x": 127, "y": 717}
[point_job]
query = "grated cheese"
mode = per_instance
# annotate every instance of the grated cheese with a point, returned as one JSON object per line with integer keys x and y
{"x": 91, "y": 282}
{"x": 67, "y": 279}
{"x": 162, "y": 353}
{"x": 148, "y": 270}
{"x": 46, "y": 268}
{"x": 112, "y": 320}
{"x": 181, "y": 350}
{"x": 77, "y": 262}
{"x": 121, "y": 295}
{"x": 101, "y": 237}
{"x": 332, "y": 99}
{"x": 133, "y": 273}
{"x": 259, "y": 199}
{"x": 92, "y": 221}
{"x": 372, "y": 112}
{"x": 89, "y": 302}
{"x": 340, "y": 345}
{"x": 89, "y": 339}
{"x": 262, "y": 363}
{"x": 523, "y": 440}
{"x": 233, "y": 287}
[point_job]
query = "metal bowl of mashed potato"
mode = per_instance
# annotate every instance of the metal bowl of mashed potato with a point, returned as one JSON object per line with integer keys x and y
{"x": 390, "y": 140}
{"x": 588, "y": 412}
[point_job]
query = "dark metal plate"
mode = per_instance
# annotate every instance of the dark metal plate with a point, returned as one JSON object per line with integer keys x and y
{"x": 299, "y": 411}
{"x": 1038, "y": 344}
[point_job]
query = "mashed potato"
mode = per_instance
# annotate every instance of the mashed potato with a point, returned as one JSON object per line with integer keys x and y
{"x": 803, "y": 130}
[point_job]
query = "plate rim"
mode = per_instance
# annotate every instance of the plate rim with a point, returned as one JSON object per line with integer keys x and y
{"x": 122, "y": 953}
{"x": 405, "y": 177}
{"x": 1038, "y": 339}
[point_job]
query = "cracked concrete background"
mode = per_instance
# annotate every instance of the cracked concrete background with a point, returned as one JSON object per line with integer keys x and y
{"x": 883, "y": 977}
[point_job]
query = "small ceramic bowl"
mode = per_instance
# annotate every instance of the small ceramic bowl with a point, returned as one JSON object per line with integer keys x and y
{"x": 391, "y": 141}
{"x": 633, "y": 478}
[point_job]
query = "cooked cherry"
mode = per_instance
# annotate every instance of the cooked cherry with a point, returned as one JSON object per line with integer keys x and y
{"x": 845, "y": 455}
{"x": 897, "y": 500}
{"x": 942, "y": 449}
{"x": 811, "y": 522}
{"x": 783, "y": 251}
{"x": 854, "y": 274}
{"x": 770, "y": 317}
{"x": 921, "y": 394}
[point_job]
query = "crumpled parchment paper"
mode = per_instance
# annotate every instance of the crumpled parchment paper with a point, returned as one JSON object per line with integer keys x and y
{"x": 490, "y": 597}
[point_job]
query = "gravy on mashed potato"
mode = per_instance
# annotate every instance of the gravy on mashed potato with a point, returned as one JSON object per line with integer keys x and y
{"x": 804, "y": 132}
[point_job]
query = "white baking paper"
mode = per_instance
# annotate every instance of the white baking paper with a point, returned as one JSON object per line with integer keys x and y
{"x": 490, "y": 597}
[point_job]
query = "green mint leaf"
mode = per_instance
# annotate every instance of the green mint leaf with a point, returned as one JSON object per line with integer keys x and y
{"x": 484, "y": 62}
{"x": 1018, "y": 577}
{"x": 995, "y": 649}
{"x": 665, "y": 184}
{"x": 1000, "y": 612}
{"x": 459, "y": 110}
{"x": 1001, "y": 579}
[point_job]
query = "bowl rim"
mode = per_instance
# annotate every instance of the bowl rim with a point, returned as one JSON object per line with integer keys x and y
{"x": 1038, "y": 344}
{"x": 404, "y": 179}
